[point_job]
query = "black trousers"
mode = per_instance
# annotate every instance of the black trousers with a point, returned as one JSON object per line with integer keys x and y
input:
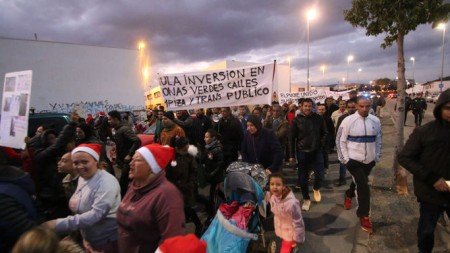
{"x": 418, "y": 116}
{"x": 429, "y": 215}
{"x": 124, "y": 180}
{"x": 360, "y": 172}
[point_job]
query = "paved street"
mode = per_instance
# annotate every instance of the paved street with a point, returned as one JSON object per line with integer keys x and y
{"x": 329, "y": 227}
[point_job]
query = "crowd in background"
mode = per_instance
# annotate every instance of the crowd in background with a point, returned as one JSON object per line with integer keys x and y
{"x": 138, "y": 195}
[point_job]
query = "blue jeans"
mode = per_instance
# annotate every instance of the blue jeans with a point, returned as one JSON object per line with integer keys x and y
{"x": 308, "y": 161}
{"x": 429, "y": 215}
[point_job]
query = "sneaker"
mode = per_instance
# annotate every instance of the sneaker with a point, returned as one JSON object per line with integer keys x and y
{"x": 306, "y": 205}
{"x": 347, "y": 203}
{"x": 366, "y": 224}
{"x": 317, "y": 196}
{"x": 338, "y": 183}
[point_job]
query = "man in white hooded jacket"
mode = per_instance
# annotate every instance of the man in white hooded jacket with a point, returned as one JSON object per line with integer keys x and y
{"x": 358, "y": 143}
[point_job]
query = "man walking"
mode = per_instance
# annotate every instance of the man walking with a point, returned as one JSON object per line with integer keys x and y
{"x": 351, "y": 109}
{"x": 426, "y": 155}
{"x": 276, "y": 121}
{"x": 419, "y": 106}
{"x": 126, "y": 144}
{"x": 231, "y": 132}
{"x": 307, "y": 139}
{"x": 358, "y": 142}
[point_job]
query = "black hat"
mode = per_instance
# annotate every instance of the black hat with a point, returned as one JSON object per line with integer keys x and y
{"x": 170, "y": 115}
{"x": 255, "y": 120}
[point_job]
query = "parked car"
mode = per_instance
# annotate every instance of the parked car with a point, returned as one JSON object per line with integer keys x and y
{"x": 55, "y": 120}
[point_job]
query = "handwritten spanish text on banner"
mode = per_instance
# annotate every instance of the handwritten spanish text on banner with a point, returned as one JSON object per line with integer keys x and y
{"x": 318, "y": 96}
{"x": 230, "y": 87}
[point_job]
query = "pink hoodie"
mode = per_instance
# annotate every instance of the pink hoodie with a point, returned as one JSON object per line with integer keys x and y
{"x": 288, "y": 220}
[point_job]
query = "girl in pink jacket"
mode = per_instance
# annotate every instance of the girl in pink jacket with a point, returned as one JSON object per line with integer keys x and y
{"x": 288, "y": 220}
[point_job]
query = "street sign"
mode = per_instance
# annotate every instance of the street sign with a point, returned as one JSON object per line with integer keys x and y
{"x": 441, "y": 85}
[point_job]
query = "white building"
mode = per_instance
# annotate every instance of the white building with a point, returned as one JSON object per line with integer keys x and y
{"x": 69, "y": 77}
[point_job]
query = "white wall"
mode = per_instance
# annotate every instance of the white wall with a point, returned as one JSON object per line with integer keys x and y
{"x": 69, "y": 76}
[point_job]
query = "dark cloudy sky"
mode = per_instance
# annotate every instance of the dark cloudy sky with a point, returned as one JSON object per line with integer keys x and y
{"x": 189, "y": 35}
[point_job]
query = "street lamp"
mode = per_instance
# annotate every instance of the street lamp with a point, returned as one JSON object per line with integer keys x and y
{"x": 310, "y": 15}
{"x": 442, "y": 27}
{"x": 141, "y": 45}
{"x": 359, "y": 71}
{"x": 349, "y": 59}
{"x": 323, "y": 71}
{"x": 414, "y": 67}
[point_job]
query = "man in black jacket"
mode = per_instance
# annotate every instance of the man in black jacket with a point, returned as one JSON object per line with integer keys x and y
{"x": 418, "y": 106}
{"x": 307, "y": 138}
{"x": 126, "y": 144}
{"x": 231, "y": 134}
{"x": 426, "y": 155}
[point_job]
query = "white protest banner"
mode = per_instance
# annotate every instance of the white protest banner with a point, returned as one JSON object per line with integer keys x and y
{"x": 15, "y": 109}
{"x": 337, "y": 94}
{"x": 229, "y": 87}
{"x": 318, "y": 96}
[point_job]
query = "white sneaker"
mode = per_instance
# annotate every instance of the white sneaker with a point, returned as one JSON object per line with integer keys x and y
{"x": 306, "y": 205}
{"x": 317, "y": 196}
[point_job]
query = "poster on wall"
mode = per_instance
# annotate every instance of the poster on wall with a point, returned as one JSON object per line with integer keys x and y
{"x": 229, "y": 87}
{"x": 15, "y": 109}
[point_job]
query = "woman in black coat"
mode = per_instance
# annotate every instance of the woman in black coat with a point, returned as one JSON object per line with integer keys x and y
{"x": 214, "y": 163}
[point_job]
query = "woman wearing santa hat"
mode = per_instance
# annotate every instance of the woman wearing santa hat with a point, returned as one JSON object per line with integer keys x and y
{"x": 152, "y": 209}
{"x": 94, "y": 203}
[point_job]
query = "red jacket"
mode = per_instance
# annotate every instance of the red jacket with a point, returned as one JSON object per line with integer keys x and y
{"x": 149, "y": 215}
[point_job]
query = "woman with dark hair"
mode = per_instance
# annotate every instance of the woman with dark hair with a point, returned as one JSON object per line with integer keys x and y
{"x": 182, "y": 172}
{"x": 214, "y": 163}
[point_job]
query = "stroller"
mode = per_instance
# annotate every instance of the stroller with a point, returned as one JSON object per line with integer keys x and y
{"x": 239, "y": 220}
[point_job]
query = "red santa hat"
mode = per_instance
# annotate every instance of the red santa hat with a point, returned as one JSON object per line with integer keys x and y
{"x": 157, "y": 156}
{"x": 93, "y": 149}
{"x": 182, "y": 244}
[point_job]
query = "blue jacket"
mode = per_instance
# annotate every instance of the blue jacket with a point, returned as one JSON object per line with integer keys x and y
{"x": 264, "y": 148}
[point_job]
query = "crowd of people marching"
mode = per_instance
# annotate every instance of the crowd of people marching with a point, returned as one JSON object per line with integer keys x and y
{"x": 66, "y": 185}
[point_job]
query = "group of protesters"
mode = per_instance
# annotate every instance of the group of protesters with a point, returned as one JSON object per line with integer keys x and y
{"x": 144, "y": 196}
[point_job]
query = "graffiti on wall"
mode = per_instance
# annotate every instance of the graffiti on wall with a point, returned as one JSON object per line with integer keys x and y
{"x": 84, "y": 108}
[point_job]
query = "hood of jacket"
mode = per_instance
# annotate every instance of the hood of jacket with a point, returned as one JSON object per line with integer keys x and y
{"x": 443, "y": 99}
{"x": 255, "y": 120}
{"x": 14, "y": 175}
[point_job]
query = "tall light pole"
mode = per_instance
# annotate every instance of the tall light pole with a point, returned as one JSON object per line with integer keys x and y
{"x": 442, "y": 27}
{"x": 311, "y": 14}
{"x": 349, "y": 59}
{"x": 414, "y": 67}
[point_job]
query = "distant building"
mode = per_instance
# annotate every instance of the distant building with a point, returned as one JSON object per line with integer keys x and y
{"x": 70, "y": 77}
